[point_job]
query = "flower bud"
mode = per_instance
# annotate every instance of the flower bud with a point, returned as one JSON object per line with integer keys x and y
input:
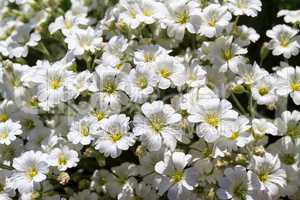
{"x": 259, "y": 150}
{"x": 63, "y": 178}
{"x": 264, "y": 51}
{"x": 237, "y": 88}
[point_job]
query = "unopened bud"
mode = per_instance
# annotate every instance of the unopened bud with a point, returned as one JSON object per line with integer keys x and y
{"x": 35, "y": 195}
{"x": 63, "y": 178}
{"x": 140, "y": 151}
{"x": 264, "y": 51}
{"x": 241, "y": 159}
{"x": 211, "y": 194}
{"x": 221, "y": 163}
{"x": 237, "y": 88}
{"x": 259, "y": 150}
{"x": 271, "y": 106}
{"x": 88, "y": 152}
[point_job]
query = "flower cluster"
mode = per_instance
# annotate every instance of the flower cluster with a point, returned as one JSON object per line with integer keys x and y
{"x": 146, "y": 99}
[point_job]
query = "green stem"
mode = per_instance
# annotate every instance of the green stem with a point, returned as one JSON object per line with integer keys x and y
{"x": 252, "y": 108}
{"x": 2, "y": 166}
{"x": 238, "y": 104}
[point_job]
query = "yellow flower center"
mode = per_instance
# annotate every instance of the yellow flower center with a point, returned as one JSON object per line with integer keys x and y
{"x": 3, "y": 117}
{"x": 99, "y": 115}
{"x": 3, "y": 135}
{"x": 165, "y": 72}
{"x": 288, "y": 159}
{"x": 263, "y": 176}
{"x": 142, "y": 82}
{"x": 227, "y": 54}
{"x": 29, "y": 124}
{"x": 241, "y": 4}
{"x": 284, "y": 40}
{"x": 109, "y": 87}
{"x": 148, "y": 57}
{"x": 31, "y": 172}
{"x": 157, "y": 125}
{"x": 62, "y": 160}
{"x": 147, "y": 12}
{"x": 85, "y": 131}
{"x": 177, "y": 176}
{"x": 182, "y": 18}
{"x": 212, "y": 21}
{"x": 116, "y": 137}
{"x": 234, "y": 135}
{"x": 293, "y": 132}
{"x": 68, "y": 24}
{"x": 295, "y": 87}
{"x": 34, "y": 102}
{"x": 132, "y": 13}
{"x": 263, "y": 91}
{"x": 118, "y": 66}
{"x": 213, "y": 119}
{"x": 55, "y": 84}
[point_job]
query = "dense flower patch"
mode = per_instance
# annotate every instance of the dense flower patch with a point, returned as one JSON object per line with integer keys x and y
{"x": 146, "y": 99}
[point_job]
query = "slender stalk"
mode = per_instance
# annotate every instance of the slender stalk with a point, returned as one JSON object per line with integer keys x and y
{"x": 238, "y": 104}
{"x": 2, "y": 166}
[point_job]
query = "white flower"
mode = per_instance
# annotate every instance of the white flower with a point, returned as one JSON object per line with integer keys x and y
{"x": 177, "y": 179}
{"x": 131, "y": 14}
{"x": 250, "y": 74}
{"x": 108, "y": 84}
{"x": 195, "y": 75}
{"x": 245, "y": 7}
{"x": 99, "y": 109}
{"x": 149, "y": 54}
{"x": 151, "y": 11}
{"x": 197, "y": 96}
{"x": 237, "y": 184}
{"x": 181, "y": 15}
{"x": 270, "y": 175}
{"x": 114, "y": 50}
{"x": 264, "y": 91}
{"x": 261, "y": 127}
{"x": 8, "y": 131}
{"x": 289, "y": 83}
{"x": 287, "y": 151}
{"x": 245, "y": 35}
{"x": 236, "y": 134}
{"x": 214, "y": 18}
{"x": 289, "y": 124}
{"x": 30, "y": 169}
{"x": 22, "y": 40}
{"x": 54, "y": 84}
{"x": 224, "y": 53}
{"x": 170, "y": 72}
{"x": 290, "y": 16}
{"x": 211, "y": 117}
{"x": 114, "y": 136}
{"x": 157, "y": 126}
{"x": 82, "y": 41}
{"x": 284, "y": 41}
{"x": 63, "y": 158}
{"x": 140, "y": 83}
{"x": 67, "y": 23}
{"x": 83, "y": 131}
{"x": 82, "y": 82}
